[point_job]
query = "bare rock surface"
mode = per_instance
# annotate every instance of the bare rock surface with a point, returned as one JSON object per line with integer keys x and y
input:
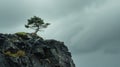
{"x": 30, "y": 50}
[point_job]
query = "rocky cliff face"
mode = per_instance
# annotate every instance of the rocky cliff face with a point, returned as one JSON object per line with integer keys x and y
{"x": 29, "y": 50}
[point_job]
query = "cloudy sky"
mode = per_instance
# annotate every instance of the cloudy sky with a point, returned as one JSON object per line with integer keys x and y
{"x": 90, "y": 28}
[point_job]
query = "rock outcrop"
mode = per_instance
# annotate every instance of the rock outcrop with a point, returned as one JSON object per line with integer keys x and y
{"x": 29, "y": 50}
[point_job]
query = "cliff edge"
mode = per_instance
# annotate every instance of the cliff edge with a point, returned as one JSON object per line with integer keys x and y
{"x": 29, "y": 50}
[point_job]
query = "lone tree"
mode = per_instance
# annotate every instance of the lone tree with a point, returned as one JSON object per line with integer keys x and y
{"x": 36, "y": 23}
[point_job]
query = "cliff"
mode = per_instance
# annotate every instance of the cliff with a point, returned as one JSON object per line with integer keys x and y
{"x": 29, "y": 50}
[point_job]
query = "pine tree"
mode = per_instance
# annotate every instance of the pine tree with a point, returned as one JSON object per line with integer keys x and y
{"x": 36, "y": 23}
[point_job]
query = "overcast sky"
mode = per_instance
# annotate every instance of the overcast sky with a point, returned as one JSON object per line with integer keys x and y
{"x": 90, "y": 28}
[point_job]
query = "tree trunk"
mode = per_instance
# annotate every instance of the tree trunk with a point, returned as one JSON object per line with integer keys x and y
{"x": 36, "y": 30}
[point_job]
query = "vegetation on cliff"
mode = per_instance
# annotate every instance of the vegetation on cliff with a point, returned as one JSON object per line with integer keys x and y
{"x": 30, "y": 50}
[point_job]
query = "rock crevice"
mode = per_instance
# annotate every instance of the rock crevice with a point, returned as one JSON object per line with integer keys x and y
{"x": 29, "y": 50}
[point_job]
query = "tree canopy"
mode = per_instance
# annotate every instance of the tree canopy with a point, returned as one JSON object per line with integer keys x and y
{"x": 36, "y": 23}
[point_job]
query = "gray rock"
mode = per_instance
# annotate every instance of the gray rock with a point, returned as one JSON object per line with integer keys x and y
{"x": 33, "y": 51}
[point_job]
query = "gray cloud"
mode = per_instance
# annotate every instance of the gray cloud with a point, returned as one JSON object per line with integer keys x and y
{"x": 90, "y": 28}
{"x": 12, "y": 13}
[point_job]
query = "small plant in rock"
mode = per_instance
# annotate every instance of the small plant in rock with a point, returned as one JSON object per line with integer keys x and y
{"x": 36, "y": 23}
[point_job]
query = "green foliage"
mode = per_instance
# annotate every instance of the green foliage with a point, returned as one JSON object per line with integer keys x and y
{"x": 21, "y": 33}
{"x": 36, "y": 23}
{"x": 19, "y": 53}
